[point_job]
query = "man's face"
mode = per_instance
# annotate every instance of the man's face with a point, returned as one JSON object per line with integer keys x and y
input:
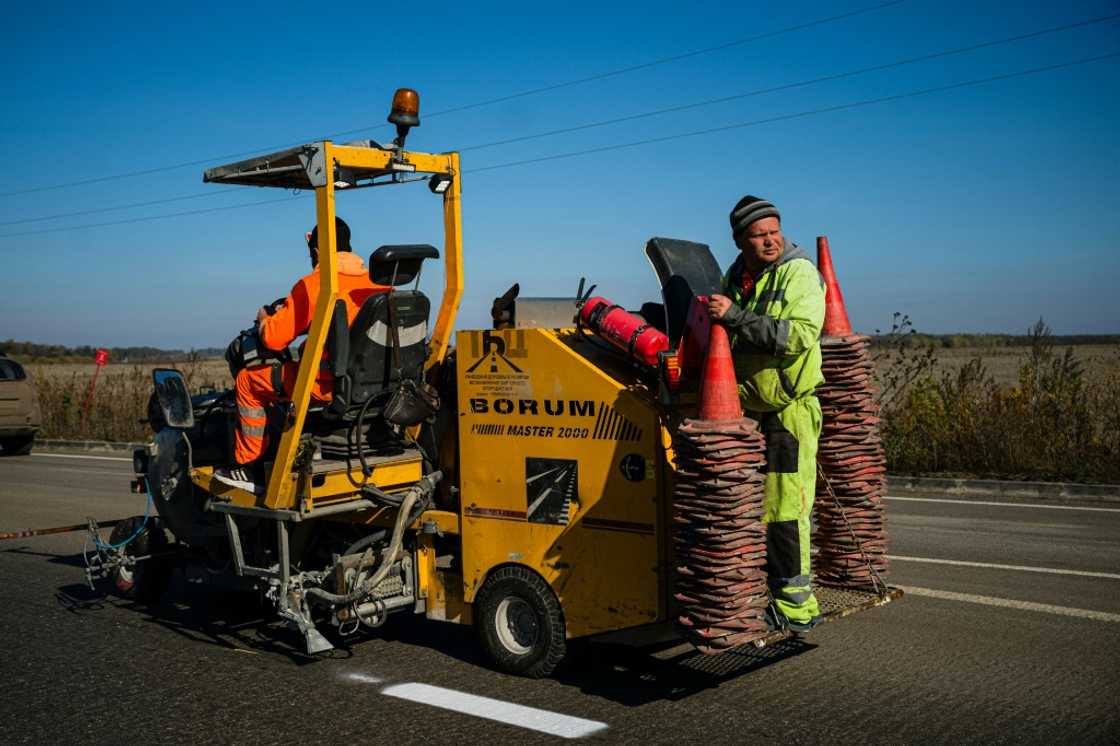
{"x": 761, "y": 242}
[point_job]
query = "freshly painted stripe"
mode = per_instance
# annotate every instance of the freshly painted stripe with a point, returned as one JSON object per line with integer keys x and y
{"x": 1024, "y": 568}
{"x": 542, "y": 721}
{"x": 361, "y": 678}
{"x": 1007, "y": 603}
{"x": 1006, "y": 505}
{"x": 67, "y": 455}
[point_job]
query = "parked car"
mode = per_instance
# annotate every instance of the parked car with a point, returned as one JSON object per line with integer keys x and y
{"x": 20, "y": 416}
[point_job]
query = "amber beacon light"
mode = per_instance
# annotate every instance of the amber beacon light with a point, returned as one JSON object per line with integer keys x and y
{"x": 405, "y": 113}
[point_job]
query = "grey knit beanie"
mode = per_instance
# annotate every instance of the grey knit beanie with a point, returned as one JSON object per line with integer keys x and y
{"x": 750, "y": 209}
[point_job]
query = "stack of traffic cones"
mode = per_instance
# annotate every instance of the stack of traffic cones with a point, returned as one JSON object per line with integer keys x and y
{"x": 719, "y": 539}
{"x": 851, "y": 530}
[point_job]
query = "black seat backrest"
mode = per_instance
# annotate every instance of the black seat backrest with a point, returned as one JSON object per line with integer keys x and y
{"x": 400, "y": 264}
{"x": 370, "y": 369}
{"x": 685, "y": 270}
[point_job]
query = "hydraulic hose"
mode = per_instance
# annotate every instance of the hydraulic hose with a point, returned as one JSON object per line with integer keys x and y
{"x": 422, "y": 491}
{"x": 365, "y": 541}
{"x": 385, "y": 498}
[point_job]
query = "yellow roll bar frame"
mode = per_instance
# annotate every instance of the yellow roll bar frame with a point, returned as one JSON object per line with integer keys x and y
{"x": 281, "y": 491}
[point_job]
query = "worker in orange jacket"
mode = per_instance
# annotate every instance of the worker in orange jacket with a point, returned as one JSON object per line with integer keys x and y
{"x": 261, "y": 385}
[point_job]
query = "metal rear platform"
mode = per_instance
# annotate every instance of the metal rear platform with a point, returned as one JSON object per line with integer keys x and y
{"x": 840, "y": 602}
{"x": 837, "y": 603}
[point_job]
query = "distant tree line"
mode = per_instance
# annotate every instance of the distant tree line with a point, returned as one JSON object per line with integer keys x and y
{"x": 32, "y": 351}
{"x": 952, "y": 341}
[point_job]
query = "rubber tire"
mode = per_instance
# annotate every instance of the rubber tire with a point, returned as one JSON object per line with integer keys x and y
{"x": 550, "y": 646}
{"x": 149, "y": 578}
{"x": 17, "y": 445}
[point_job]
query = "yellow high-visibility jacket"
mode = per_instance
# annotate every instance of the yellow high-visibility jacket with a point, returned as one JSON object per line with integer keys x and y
{"x": 775, "y": 330}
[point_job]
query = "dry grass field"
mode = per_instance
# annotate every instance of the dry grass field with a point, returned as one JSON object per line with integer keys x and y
{"x": 1005, "y": 412}
{"x": 211, "y": 372}
{"x": 119, "y": 400}
{"x": 1034, "y": 412}
{"x": 1003, "y": 363}
{"x": 122, "y": 389}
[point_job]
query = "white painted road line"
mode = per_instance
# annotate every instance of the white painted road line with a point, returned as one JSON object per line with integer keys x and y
{"x": 1005, "y": 505}
{"x": 1099, "y": 616}
{"x": 542, "y": 721}
{"x": 71, "y": 455}
{"x": 1024, "y": 568}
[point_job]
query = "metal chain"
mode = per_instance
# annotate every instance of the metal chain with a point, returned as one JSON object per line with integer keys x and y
{"x": 880, "y": 585}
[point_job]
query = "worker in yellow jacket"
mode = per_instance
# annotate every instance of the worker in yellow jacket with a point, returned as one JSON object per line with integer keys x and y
{"x": 773, "y": 308}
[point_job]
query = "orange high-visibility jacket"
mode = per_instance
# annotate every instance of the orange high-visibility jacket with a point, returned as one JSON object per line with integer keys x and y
{"x": 294, "y": 319}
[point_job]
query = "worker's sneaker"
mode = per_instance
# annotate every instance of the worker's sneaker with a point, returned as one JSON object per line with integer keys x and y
{"x": 775, "y": 619}
{"x": 242, "y": 478}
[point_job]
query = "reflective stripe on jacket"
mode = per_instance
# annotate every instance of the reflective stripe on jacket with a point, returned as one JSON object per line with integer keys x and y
{"x": 775, "y": 330}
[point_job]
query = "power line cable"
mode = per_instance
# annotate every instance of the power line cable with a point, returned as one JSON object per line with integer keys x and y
{"x": 476, "y": 105}
{"x": 799, "y": 84}
{"x": 797, "y": 115}
{"x": 97, "y": 210}
{"x": 657, "y": 112}
{"x": 155, "y": 217}
{"x": 663, "y": 61}
{"x": 649, "y": 141}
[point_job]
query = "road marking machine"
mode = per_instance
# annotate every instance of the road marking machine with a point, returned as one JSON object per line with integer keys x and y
{"x": 536, "y": 501}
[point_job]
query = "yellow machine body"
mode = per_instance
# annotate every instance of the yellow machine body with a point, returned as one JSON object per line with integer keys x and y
{"x": 560, "y": 456}
{"x": 562, "y": 470}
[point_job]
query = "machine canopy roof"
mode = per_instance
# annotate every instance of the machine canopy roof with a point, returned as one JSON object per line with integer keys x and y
{"x": 301, "y": 167}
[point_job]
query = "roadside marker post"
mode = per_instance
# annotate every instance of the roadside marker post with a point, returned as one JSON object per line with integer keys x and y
{"x": 100, "y": 358}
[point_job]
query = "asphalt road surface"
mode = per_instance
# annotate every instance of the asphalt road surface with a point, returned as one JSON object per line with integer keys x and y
{"x": 1010, "y": 632}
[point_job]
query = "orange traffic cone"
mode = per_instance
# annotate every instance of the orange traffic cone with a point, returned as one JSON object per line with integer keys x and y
{"x": 836, "y": 322}
{"x": 719, "y": 391}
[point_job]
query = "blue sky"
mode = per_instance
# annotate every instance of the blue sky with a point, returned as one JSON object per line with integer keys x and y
{"x": 976, "y": 210}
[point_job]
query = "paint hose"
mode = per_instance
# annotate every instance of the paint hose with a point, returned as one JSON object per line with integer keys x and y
{"x": 421, "y": 492}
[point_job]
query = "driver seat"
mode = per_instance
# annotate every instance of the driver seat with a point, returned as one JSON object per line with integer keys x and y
{"x": 361, "y": 356}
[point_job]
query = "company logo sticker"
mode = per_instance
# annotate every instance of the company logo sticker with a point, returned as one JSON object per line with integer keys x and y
{"x": 498, "y": 365}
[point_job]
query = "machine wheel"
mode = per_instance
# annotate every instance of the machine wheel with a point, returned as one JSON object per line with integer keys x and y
{"x": 19, "y": 445}
{"x": 520, "y": 623}
{"x": 147, "y": 580}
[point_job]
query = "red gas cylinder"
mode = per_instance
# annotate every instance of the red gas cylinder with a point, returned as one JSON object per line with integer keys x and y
{"x": 628, "y": 332}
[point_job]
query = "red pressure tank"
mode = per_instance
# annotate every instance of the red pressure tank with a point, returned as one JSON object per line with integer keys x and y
{"x": 628, "y": 332}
